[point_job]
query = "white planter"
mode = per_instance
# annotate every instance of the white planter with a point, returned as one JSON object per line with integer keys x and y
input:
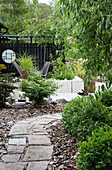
{"x": 77, "y": 85}
{"x": 70, "y": 86}
{"x": 65, "y": 86}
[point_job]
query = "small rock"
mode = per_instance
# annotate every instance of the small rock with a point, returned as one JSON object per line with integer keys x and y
{"x": 61, "y": 166}
{"x": 53, "y": 102}
{"x": 7, "y": 104}
{"x": 49, "y": 98}
{"x": 46, "y": 101}
{"x": 62, "y": 101}
{"x": 19, "y": 104}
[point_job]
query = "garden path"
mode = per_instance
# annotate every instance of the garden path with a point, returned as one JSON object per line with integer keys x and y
{"x": 29, "y": 146}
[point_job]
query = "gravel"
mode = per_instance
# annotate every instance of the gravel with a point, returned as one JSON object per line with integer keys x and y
{"x": 65, "y": 151}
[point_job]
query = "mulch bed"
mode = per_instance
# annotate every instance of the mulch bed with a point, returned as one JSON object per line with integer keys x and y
{"x": 65, "y": 146}
{"x": 65, "y": 150}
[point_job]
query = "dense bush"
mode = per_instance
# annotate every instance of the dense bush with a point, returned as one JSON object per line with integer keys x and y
{"x": 36, "y": 88}
{"x": 61, "y": 71}
{"x": 6, "y": 87}
{"x": 96, "y": 153}
{"x": 106, "y": 97}
{"x": 82, "y": 115}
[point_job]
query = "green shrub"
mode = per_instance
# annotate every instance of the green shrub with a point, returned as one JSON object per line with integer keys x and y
{"x": 96, "y": 153}
{"x": 36, "y": 88}
{"x": 25, "y": 62}
{"x": 79, "y": 70}
{"x": 82, "y": 115}
{"x": 106, "y": 97}
{"x": 61, "y": 71}
{"x": 2, "y": 67}
{"x": 6, "y": 87}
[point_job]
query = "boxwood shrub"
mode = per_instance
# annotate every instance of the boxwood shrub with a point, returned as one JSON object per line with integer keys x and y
{"x": 82, "y": 115}
{"x": 106, "y": 97}
{"x": 96, "y": 152}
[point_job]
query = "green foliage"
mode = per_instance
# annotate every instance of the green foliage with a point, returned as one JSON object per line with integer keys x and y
{"x": 9, "y": 12}
{"x": 82, "y": 115}
{"x": 61, "y": 71}
{"x": 2, "y": 66}
{"x": 96, "y": 153}
{"x": 105, "y": 96}
{"x": 6, "y": 87}
{"x": 33, "y": 17}
{"x": 36, "y": 88}
{"x": 25, "y": 62}
{"x": 79, "y": 69}
{"x": 89, "y": 23}
{"x": 37, "y": 22}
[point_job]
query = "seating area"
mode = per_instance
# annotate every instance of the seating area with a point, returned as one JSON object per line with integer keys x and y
{"x": 43, "y": 72}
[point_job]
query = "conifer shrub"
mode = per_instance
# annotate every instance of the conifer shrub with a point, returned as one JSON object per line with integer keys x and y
{"x": 36, "y": 88}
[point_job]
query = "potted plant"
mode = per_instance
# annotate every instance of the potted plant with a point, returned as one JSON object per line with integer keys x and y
{"x": 89, "y": 86}
{"x": 26, "y": 64}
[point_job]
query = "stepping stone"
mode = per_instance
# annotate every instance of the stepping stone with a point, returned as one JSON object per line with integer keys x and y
{"x": 38, "y": 165}
{"x": 15, "y": 149}
{"x": 11, "y": 158}
{"x": 24, "y": 129}
{"x": 12, "y": 166}
{"x": 38, "y": 153}
{"x": 39, "y": 140}
{"x": 17, "y": 141}
{"x": 44, "y": 121}
{"x": 20, "y": 129}
{"x": 37, "y": 131}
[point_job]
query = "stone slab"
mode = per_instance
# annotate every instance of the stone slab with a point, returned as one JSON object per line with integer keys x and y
{"x": 23, "y": 129}
{"x": 12, "y": 166}
{"x": 45, "y": 121}
{"x": 17, "y": 141}
{"x": 15, "y": 149}
{"x": 38, "y": 153}
{"x": 11, "y": 158}
{"x": 20, "y": 129}
{"x": 35, "y": 132}
{"x": 66, "y": 96}
{"x": 38, "y": 165}
{"x": 54, "y": 116}
{"x": 39, "y": 140}
{"x": 38, "y": 131}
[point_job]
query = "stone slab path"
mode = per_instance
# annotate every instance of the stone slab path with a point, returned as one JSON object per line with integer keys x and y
{"x": 29, "y": 146}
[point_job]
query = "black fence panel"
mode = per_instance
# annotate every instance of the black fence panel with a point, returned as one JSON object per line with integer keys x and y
{"x": 39, "y": 53}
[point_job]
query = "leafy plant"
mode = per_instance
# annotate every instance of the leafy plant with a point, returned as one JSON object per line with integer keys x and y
{"x": 25, "y": 62}
{"x": 36, "y": 88}
{"x": 89, "y": 25}
{"x": 82, "y": 115}
{"x": 79, "y": 69}
{"x": 6, "y": 87}
{"x": 106, "y": 97}
{"x": 96, "y": 152}
{"x": 2, "y": 66}
{"x": 61, "y": 71}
